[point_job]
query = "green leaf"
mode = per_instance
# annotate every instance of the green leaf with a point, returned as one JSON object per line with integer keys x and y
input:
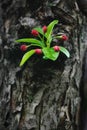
{"x": 65, "y": 51}
{"x": 49, "y": 31}
{"x": 26, "y": 56}
{"x": 31, "y": 41}
{"x": 49, "y": 53}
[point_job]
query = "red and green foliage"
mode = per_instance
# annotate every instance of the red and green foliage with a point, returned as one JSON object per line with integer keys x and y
{"x": 43, "y": 42}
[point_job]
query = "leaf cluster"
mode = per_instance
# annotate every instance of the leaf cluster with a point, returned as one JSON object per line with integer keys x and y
{"x": 43, "y": 41}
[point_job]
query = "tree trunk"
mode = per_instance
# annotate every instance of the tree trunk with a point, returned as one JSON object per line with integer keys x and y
{"x": 41, "y": 95}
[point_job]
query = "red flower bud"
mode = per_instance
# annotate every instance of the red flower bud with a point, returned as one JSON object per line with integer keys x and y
{"x": 34, "y": 32}
{"x": 56, "y": 48}
{"x": 23, "y": 47}
{"x": 64, "y": 37}
{"x": 38, "y": 51}
{"x": 44, "y": 29}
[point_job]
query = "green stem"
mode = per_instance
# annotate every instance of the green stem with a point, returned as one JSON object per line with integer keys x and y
{"x": 41, "y": 39}
{"x": 48, "y": 45}
{"x": 57, "y": 37}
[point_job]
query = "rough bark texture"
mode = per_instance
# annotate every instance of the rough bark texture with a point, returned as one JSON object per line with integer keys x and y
{"x": 42, "y": 95}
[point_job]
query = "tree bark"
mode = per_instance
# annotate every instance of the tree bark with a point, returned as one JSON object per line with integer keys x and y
{"x": 41, "y": 95}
